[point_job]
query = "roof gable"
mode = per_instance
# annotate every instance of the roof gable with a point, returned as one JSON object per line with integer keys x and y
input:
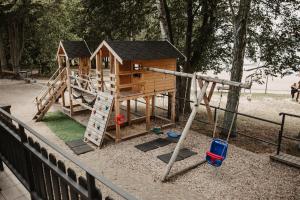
{"x": 141, "y": 50}
{"x": 75, "y": 49}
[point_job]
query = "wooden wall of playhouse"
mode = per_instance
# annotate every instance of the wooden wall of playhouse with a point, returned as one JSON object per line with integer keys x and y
{"x": 84, "y": 66}
{"x": 129, "y": 81}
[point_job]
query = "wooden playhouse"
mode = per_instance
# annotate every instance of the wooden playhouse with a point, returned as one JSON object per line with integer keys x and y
{"x": 73, "y": 59}
{"x": 128, "y": 80}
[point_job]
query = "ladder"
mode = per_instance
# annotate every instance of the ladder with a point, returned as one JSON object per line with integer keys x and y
{"x": 56, "y": 86}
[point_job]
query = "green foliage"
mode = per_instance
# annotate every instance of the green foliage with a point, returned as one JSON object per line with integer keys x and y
{"x": 273, "y": 35}
{"x": 273, "y": 31}
{"x": 63, "y": 126}
{"x": 43, "y": 36}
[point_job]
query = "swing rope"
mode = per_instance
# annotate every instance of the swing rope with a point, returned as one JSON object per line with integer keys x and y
{"x": 232, "y": 121}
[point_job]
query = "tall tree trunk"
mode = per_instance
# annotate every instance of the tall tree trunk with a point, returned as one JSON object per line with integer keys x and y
{"x": 165, "y": 20}
{"x": 3, "y": 61}
{"x": 240, "y": 33}
{"x": 16, "y": 43}
{"x": 166, "y": 32}
{"x": 184, "y": 89}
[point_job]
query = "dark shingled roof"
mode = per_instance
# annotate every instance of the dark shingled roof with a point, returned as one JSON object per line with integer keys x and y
{"x": 144, "y": 50}
{"x": 76, "y": 49}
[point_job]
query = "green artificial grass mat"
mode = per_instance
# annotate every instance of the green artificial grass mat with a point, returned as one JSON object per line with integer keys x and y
{"x": 63, "y": 126}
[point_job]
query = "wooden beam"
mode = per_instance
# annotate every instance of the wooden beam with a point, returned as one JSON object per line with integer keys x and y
{"x": 206, "y": 78}
{"x": 184, "y": 132}
{"x": 148, "y": 112}
{"x": 212, "y": 89}
{"x": 118, "y": 128}
{"x": 128, "y": 112}
{"x": 173, "y": 104}
{"x": 206, "y": 102}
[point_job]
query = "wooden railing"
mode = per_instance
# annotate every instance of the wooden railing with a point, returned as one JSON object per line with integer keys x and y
{"x": 51, "y": 86}
{"x": 27, "y": 154}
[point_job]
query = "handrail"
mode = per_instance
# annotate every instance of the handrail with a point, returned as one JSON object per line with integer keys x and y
{"x": 289, "y": 114}
{"x": 49, "y": 87}
{"x": 58, "y": 149}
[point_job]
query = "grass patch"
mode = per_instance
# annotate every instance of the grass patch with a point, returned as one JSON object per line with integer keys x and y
{"x": 63, "y": 126}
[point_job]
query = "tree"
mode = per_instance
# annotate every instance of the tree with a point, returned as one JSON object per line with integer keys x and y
{"x": 165, "y": 21}
{"x": 240, "y": 21}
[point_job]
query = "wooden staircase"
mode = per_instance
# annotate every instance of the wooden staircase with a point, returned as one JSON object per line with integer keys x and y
{"x": 56, "y": 86}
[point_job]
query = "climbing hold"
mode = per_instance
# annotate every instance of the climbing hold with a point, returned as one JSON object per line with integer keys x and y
{"x": 106, "y": 107}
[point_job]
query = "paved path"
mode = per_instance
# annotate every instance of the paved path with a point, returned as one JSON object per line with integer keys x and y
{"x": 11, "y": 188}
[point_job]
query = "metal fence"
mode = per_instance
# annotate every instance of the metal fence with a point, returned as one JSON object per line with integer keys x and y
{"x": 281, "y": 135}
{"x": 264, "y": 140}
{"x": 41, "y": 172}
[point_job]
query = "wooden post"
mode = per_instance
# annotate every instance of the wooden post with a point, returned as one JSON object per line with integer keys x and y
{"x": 118, "y": 128}
{"x": 173, "y": 104}
{"x": 153, "y": 106}
{"x": 99, "y": 71}
{"x": 148, "y": 121}
{"x": 62, "y": 80}
{"x": 128, "y": 112}
{"x": 206, "y": 102}
{"x": 117, "y": 101}
{"x": 69, "y": 86}
{"x": 185, "y": 131}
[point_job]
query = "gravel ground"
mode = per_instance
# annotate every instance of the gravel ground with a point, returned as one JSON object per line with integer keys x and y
{"x": 244, "y": 174}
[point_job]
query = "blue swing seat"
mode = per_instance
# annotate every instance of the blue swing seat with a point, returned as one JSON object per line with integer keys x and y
{"x": 217, "y": 153}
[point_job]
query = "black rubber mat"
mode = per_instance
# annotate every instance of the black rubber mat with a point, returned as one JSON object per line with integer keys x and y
{"x": 75, "y": 143}
{"x": 183, "y": 154}
{"x": 148, "y": 146}
{"x": 174, "y": 140}
{"x": 166, "y": 157}
{"x": 82, "y": 149}
{"x": 79, "y": 147}
{"x": 154, "y": 144}
{"x": 161, "y": 142}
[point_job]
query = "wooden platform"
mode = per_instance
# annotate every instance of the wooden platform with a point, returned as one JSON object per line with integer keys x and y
{"x": 287, "y": 159}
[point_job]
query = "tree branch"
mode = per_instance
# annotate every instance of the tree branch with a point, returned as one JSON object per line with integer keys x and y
{"x": 231, "y": 8}
{"x": 196, "y": 10}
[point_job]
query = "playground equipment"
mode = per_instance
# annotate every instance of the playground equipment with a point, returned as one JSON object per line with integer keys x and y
{"x": 127, "y": 81}
{"x": 60, "y": 81}
{"x": 197, "y": 79}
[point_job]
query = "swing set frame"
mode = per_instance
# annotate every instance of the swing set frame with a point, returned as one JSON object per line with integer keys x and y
{"x": 203, "y": 81}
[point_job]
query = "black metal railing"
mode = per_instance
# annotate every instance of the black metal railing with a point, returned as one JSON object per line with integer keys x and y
{"x": 218, "y": 109}
{"x": 42, "y": 173}
{"x": 281, "y": 132}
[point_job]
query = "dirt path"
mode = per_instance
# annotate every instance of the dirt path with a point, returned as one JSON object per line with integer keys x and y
{"x": 244, "y": 175}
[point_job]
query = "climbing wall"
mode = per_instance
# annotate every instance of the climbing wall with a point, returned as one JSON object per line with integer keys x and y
{"x": 98, "y": 121}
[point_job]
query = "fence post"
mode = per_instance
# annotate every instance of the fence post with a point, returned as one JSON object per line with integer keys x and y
{"x": 1, "y": 165}
{"x": 280, "y": 134}
{"x": 27, "y": 163}
{"x": 91, "y": 186}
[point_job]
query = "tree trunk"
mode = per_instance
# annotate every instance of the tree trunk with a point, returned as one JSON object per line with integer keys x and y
{"x": 240, "y": 33}
{"x": 166, "y": 32}
{"x": 3, "y": 61}
{"x": 164, "y": 20}
{"x": 188, "y": 54}
{"x": 16, "y": 43}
